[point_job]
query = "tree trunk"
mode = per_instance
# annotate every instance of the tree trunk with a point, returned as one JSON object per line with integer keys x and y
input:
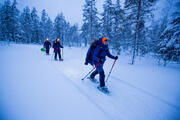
{"x": 91, "y": 22}
{"x": 135, "y": 36}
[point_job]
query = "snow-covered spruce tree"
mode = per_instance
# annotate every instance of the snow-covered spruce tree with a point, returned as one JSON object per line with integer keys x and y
{"x": 137, "y": 11}
{"x": 43, "y": 27}
{"x": 0, "y": 22}
{"x": 5, "y": 20}
{"x": 35, "y": 26}
{"x": 118, "y": 33}
{"x": 85, "y": 34}
{"x": 15, "y": 24}
{"x": 26, "y": 26}
{"x": 157, "y": 26}
{"x": 59, "y": 27}
{"x": 107, "y": 20}
{"x": 67, "y": 35}
{"x": 153, "y": 35}
{"x": 49, "y": 29}
{"x": 90, "y": 28}
{"x": 74, "y": 35}
{"x": 169, "y": 47}
{"x": 127, "y": 28}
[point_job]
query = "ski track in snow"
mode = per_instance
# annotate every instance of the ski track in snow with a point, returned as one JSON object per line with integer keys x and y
{"x": 109, "y": 99}
{"x": 82, "y": 91}
{"x": 112, "y": 114}
{"x": 85, "y": 95}
{"x": 146, "y": 92}
{"x": 126, "y": 100}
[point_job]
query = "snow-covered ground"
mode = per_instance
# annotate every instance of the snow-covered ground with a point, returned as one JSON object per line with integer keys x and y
{"x": 35, "y": 87}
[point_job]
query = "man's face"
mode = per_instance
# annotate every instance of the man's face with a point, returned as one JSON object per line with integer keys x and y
{"x": 105, "y": 42}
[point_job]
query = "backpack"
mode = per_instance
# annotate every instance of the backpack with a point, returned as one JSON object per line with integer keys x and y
{"x": 90, "y": 52}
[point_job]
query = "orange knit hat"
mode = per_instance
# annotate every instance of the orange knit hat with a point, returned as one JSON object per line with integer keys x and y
{"x": 104, "y": 39}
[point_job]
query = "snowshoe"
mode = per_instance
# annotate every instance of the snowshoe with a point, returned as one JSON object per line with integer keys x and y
{"x": 103, "y": 89}
{"x": 60, "y": 59}
{"x": 92, "y": 80}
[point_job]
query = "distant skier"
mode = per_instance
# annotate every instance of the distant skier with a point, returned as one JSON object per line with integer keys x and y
{"x": 99, "y": 56}
{"x": 47, "y": 45}
{"x": 57, "y": 50}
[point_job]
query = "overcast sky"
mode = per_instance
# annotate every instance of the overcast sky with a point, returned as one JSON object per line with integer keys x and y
{"x": 72, "y": 9}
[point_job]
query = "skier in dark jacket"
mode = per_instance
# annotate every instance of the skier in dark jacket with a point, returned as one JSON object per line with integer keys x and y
{"x": 47, "y": 45}
{"x": 99, "y": 56}
{"x": 57, "y": 50}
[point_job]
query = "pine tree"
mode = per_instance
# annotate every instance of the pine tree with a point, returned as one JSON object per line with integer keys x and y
{"x": 107, "y": 20}
{"x": 59, "y": 27}
{"x": 26, "y": 26}
{"x": 153, "y": 35}
{"x": 5, "y": 20}
{"x": 84, "y": 34}
{"x": 90, "y": 28}
{"x": 169, "y": 47}
{"x": 49, "y": 29}
{"x": 74, "y": 35}
{"x": 35, "y": 26}
{"x": 67, "y": 35}
{"x": 137, "y": 11}
{"x": 15, "y": 24}
{"x": 158, "y": 26}
{"x": 0, "y": 22}
{"x": 127, "y": 28}
{"x": 118, "y": 33}
{"x": 43, "y": 27}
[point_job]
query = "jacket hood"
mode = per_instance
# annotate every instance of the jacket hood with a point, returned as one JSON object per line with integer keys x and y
{"x": 101, "y": 43}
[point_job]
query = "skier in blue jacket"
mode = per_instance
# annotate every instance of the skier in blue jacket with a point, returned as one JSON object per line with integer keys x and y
{"x": 57, "y": 50}
{"x": 47, "y": 45}
{"x": 99, "y": 56}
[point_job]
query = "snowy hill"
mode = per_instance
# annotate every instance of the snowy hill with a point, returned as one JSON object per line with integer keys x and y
{"x": 35, "y": 87}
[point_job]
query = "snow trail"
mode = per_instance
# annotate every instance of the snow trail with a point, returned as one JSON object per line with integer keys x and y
{"x": 34, "y": 86}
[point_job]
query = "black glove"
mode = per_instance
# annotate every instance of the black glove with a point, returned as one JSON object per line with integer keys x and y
{"x": 101, "y": 61}
{"x": 116, "y": 57}
{"x": 86, "y": 63}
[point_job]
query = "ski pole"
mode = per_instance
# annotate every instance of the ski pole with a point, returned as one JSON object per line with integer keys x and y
{"x": 62, "y": 54}
{"x": 91, "y": 71}
{"x": 110, "y": 70}
{"x": 52, "y": 56}
{"x": 63, "y": 48}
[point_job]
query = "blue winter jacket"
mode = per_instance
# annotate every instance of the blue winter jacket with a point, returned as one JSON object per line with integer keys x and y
{"x": 47, "y": 44}
{"x": 101, "y": 52}
{"x": 57, "y": 46}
